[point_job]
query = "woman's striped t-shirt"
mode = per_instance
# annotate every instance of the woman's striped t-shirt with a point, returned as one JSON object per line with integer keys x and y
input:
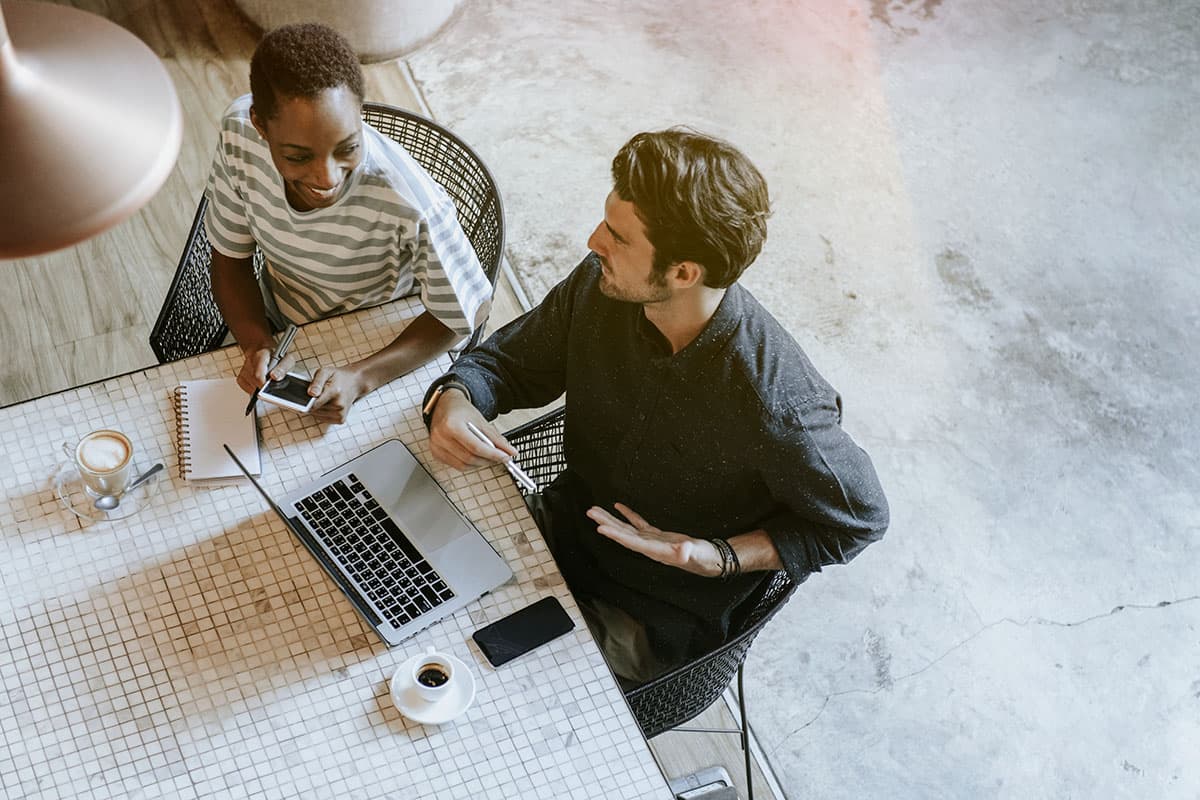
{"x": 392, "y": 227}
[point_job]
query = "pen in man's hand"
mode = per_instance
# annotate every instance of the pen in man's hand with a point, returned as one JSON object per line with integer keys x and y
{"x": 519, "y": 474}
{"x": 280, "y": 352}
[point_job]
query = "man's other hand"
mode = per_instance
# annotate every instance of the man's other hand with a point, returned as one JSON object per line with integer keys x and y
{"x": 451, "y": 441}
{"x": 698, "y": 556}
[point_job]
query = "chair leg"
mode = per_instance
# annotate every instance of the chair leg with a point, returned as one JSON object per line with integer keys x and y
{"x": 745, "y": 735}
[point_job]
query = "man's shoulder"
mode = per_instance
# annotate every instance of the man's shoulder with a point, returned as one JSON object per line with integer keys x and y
{"x": 576, "y": 299}
{"x": 783, "y": 380}
{"x": 586, "y": 274}
{"x": 582, "y": 282}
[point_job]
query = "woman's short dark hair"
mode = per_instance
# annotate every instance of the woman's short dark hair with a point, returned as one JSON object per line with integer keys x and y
{"x": 700, "y": 199}
{"x": 301, "y": 61}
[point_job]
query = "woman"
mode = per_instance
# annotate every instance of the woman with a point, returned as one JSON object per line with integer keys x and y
{"x": 345, "y": 217}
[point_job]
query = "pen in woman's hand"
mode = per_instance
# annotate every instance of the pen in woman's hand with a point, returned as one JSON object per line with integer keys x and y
{"x": 280, "y": 352}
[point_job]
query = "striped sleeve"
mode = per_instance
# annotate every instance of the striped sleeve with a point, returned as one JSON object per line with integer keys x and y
{"x": 226, "y": 221}
{"x": 454, "y": 288}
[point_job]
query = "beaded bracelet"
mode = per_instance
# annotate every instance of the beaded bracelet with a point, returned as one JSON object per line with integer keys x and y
{"x": 720, "y": 545}
{"x": 730, "y": 566}
{"x": 737, "y": 565}
{"x": 720, "y": 554}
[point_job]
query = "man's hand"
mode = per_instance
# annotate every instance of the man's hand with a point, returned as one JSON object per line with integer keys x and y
{"x": 452, "y": 443}
{"x": 698, "y": 556}
{"x": 253, "y": 374}
{"x": 335, "y": 390}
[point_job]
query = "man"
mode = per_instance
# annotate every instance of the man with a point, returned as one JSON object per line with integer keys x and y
{"x": 703, "y": 448}
{"x": 345, "y": 217}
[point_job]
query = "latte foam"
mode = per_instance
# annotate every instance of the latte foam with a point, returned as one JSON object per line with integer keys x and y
{"x": 103, "y": 452}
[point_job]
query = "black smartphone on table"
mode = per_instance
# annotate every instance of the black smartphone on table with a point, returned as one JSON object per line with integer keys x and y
{"x": 523, "y": 630}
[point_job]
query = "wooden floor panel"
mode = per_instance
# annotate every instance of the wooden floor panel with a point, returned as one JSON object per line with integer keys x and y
{"x": 29, "y": 362}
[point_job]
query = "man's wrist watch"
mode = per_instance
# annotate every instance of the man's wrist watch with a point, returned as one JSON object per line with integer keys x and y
{"x": 440, "y": 387}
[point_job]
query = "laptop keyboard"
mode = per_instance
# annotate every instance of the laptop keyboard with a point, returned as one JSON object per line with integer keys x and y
{"x": 373, "y": 551}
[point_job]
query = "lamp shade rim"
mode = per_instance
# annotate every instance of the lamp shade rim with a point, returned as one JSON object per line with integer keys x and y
{"x": 90, "y": 127}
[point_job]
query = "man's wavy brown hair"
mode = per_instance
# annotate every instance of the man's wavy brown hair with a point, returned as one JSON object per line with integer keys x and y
{"x": 700, "y": 199}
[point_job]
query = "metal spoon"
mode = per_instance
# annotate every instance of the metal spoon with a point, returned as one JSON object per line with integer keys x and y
{"x": 107, "y": 502}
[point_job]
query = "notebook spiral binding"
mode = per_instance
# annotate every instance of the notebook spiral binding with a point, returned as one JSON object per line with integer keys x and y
{"x": 182, "y": 428}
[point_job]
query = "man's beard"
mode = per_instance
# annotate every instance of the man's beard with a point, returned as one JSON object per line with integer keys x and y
{"x": 655, "y": 291}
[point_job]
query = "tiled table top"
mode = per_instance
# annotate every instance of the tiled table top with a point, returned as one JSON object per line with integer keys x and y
{"x": 195, "y": 649}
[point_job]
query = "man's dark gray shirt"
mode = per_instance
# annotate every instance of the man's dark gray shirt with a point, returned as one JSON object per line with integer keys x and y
{"x": 735, "y": 432}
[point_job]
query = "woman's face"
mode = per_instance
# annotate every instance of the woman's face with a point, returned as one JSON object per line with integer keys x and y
{"x": 315, "y": 142}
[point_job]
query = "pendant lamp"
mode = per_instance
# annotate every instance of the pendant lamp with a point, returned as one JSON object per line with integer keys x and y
{"x": 90, "y": 126}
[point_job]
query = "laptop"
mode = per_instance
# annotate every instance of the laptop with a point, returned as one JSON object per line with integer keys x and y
{"x": 391, "y": 540}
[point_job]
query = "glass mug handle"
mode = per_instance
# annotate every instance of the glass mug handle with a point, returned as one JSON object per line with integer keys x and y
{"x": 70, "y": 451}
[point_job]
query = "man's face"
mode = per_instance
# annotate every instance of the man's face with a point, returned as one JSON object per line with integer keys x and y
{"x": 315, "y": 142}
{"x": 626, "y": 255}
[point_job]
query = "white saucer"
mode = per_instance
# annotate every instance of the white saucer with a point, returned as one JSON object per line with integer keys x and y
{"x": 71, "y": 494}
{"x": 412, "y": 705}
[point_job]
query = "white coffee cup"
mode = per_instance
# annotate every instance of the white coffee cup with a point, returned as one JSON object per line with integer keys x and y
{"x": 433, "y": 675}
{"x": 104, "y": 459}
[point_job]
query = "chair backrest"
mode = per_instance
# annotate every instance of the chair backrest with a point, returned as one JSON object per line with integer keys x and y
{"x": 683, "y": 693}
{"x": 540, "y": 442}
{"x": 190, "y": 323}
{"x": 686, "y": 691}
{"x": 460, "y": 171}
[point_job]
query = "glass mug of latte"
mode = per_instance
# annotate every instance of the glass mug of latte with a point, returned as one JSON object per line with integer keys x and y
{"x": 104, "y": 459}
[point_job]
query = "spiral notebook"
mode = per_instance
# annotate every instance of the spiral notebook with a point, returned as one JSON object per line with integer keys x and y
{"x": 209, "y": 413}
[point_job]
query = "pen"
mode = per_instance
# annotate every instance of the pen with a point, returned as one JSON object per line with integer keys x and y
{"x": 519, "y": 474}
{"x": 280, "y": 352}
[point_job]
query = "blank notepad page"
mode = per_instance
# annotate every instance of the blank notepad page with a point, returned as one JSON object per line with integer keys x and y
{"x": 210, "y": 413}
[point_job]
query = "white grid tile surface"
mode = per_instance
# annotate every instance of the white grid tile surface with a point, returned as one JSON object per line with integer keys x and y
{"x": 196, "y": 650}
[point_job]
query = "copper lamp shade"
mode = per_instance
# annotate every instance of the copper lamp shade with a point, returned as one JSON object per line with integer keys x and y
{"x": 90, "y": 126}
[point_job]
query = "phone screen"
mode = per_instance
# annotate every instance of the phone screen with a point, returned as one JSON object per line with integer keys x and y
{"x": 290, "y": 388}
{"x": 523, "y": 630}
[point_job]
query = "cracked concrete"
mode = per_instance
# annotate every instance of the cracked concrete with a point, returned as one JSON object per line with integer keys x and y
{"x": 1105, "y": 692}
{"x": 882, "y": 661}
{"x": 984, "y": 233}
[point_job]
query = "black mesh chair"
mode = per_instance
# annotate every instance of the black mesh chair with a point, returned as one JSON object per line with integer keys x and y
{"x": 680, "y": 695}
{"x": 189, "y": 321}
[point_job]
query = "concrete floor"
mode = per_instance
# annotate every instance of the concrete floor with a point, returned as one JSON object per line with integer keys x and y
{"x": 985, "y": 220}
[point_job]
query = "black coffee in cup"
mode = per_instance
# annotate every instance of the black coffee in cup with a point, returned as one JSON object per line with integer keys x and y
{"x": 432, "y": 675}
